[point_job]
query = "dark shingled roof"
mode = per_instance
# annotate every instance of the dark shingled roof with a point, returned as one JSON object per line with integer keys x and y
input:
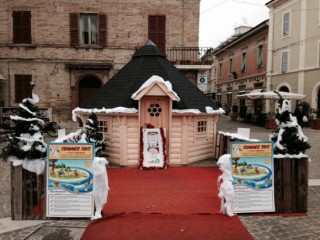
{"x": 146, "y": 62}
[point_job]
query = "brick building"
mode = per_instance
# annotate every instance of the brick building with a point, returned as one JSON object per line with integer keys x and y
{"x": 240, "y": 67}
{"x": 69, "y": 49}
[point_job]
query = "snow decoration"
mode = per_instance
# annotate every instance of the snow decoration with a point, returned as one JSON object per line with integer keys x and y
{"x": 226, "y": 189}
{"x": 152, "y": 80}
{"x": 100, "y": 185}
{"x": 34, "y": 100}
{"x": 288, "y": 138}
{"x": 35, "y": 165}
{"x": 194, "y": 111}
{"x": 71, "y": 137}
{"x": 238, "y": 136}
{"x": 17, "y": 118}
{"x": 211, "y": 111}
{"x": 103, "y": 110}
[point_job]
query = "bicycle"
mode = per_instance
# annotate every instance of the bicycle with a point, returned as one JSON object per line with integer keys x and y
{"x": 51, "y": 128}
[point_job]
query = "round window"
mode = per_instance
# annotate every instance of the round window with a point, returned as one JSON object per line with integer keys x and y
{"x": 154, "y": 110}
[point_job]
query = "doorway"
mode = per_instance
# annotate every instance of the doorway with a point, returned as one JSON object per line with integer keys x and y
{"x": 88, "y": 86}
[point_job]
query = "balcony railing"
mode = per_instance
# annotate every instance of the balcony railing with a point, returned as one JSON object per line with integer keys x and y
{"x": 190, "y": 55}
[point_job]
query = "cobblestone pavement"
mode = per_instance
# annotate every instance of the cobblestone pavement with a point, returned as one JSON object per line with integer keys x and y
{"x": 259, "y": 226}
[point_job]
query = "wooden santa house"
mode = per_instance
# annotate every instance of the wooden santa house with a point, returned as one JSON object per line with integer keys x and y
{"x": 150, "y": 91}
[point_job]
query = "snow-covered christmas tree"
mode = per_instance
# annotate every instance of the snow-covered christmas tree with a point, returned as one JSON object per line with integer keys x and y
{"x": 93, "y": 135}
{"x": 288, "y": 137}
{"x": 26, "y": 144}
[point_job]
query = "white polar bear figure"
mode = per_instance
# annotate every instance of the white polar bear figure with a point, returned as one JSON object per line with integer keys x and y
{"x": 100, "y": 185}
{"x": 226, "y": 189}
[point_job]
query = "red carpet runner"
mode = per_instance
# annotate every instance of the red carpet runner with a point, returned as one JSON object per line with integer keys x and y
{"x": 177, "y": 203}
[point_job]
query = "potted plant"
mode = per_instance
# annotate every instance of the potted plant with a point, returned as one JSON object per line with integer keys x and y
{"x": 270, "y": 122}
{"x": 315, "y": 119}
{"x": 234, "y": 114}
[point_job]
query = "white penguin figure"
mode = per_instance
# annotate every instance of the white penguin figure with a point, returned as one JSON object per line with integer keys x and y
{"x": 100, "y": 185}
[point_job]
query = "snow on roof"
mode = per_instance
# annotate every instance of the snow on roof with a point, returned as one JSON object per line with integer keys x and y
{"x": 152, "y": 80}
{"x": 211, "y": 111}
{"x": 103, "y": 110}
{"x": 134, "y": 110}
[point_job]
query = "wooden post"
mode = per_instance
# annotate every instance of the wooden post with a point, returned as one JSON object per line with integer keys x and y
{"x": 16, "y": 193}
{"x": 291, "y": 185}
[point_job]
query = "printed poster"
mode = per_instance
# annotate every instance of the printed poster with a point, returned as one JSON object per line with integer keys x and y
{"x": 252, "y": 171}
{"x": 69, "y": 180}
{"x": 153, "y": 152}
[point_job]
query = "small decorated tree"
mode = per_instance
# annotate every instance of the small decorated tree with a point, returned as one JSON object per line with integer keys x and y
{"x": 288, "y": 137}
{"x": 93, "y": 135}
{"x": 290, "y": 162}
{"x": 26, "y": 144}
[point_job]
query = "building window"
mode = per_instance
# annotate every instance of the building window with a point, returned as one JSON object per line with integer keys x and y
{"x": 230, "y": 66}
{"x": 103, "y": 126}
{"x": 260, "y": 54}
{"x": 201, "y": 126}
{"x": 157, "y": 31}
{"x": 22, "y": 87}
{"x": 286, "y": 24}
{"x": 21, "y": 27}
{"x": 243, "y": 63}
{"x": 219, "y": 99}
{"x": 229, "y": 97}
{"x": 88, "y": 29}
{"x": 284, "y": 62}
{"x": 220, "y": 70}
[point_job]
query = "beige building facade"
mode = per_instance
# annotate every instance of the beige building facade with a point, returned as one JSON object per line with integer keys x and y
{"x": 294, "y": 48}
{"x": 69, "y": 49}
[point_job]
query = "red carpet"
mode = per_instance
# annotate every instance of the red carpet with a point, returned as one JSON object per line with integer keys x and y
{"x": 176, "y": 203}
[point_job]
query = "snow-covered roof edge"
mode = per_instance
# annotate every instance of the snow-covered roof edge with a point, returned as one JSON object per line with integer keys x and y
{"x": 103, "y": 110}
{"x": 134, "y": 110}
{"x": 238, "y": 136}
{"x": 152, "y": 80}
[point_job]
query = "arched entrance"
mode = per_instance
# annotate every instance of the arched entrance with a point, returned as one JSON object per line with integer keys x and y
{"x": 284, "y": 89}
{"x": 88, "y": 86}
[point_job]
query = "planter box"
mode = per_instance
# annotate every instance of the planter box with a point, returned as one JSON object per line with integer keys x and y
{"x": 315, "y": 123}
{"x": 27, "y": 195}
{"x": 271, "y": 124}
{"x": 291, "y": 185}
{"x": 234, "y": 117}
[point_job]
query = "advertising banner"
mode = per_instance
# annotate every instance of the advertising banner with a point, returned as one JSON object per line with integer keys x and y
{"x": 69, "y": 180}
{"x": 153, "y": 152}
{"x": 252, "y": 171}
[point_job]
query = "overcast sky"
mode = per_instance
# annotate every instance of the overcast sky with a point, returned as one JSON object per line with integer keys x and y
{"x": 218, "y": 18}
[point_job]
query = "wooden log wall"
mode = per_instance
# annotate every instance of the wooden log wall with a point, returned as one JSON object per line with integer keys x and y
{"x": 291, "y": 185}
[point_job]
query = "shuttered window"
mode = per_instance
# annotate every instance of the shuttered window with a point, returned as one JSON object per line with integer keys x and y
{"x": 88, "y": 29}
{"x": 286, "y": 23}
{"x": 230, "y": 66}
{"x": 157, "y": 31}
{"x": 21, "y": 27}
{"x": 22, "y": 87}
{"x": 260, "y": 54}
{"x": 284, "y": 62}
{"x": 244, "y": 61}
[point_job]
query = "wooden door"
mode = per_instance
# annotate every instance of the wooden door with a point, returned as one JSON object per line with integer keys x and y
{"x": 155, "y": 111}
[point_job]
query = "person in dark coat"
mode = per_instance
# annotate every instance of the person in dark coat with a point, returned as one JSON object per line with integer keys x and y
{"x": 299, "y": 113}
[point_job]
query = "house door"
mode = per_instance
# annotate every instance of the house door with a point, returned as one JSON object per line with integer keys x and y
{"x": 155, "y": 110}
